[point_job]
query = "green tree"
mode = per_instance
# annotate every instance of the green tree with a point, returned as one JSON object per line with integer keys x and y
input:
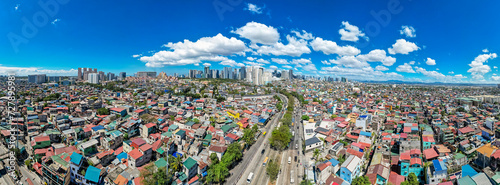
{"x": 214, "y": 158}
{"x": 280, "y": 137}
{"x": 411, "y": 180}
{"x": 175, "y": 163}
{"x": 333, "y": 116}
{"x": 361, "y": 180}
{"x": 217, "y": 173}
{"x": 248, "y": 136}
{"x": 305, "y": 117}
{"x": 255, "y": 128}
{"x": 306, "y": 181}
{"x": 272, "y": 169}
{"x": 28, "y": 163}
{"x": 316, "y": 153}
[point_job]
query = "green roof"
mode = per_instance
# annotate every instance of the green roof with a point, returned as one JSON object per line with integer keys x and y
{"x": 226, "y": 128}
{"x": 51, "y": 131}
{"x": 459, "y": 156}
{"x": 59, "y": 159}
{"x": 189, "y": 163}
{"x": 167, "y": 134}
{"x": 161, "y": 163}
{"x": 181, "y": 132}
{"x": 466, "y": 180}
{"x": 208, "y": 137}
{"x": 160, "y": 151}
{"x": 182, "y": 176}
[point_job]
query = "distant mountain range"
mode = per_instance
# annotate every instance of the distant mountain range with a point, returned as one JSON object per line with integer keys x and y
{"x": 427, "y": 83}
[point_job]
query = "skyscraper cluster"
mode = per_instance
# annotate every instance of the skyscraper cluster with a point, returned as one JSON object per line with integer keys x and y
{"x": 93, "y": 76}
{"x": 254, "y": 74}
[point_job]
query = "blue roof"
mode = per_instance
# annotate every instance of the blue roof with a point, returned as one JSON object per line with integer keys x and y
{"x": 177, "y": 154}
{"x": 122, "y": 155}
{"x": 368, "y": 134}
{"x": 76, "y": 158}
{"x": 437, "y": 165}
{"x": 262, "y": 120}
{"x": 98, "y": 127}
{"x": 468, "y": 170}
{"x": 93, "y": 174}
{"x": 334, "y": 162}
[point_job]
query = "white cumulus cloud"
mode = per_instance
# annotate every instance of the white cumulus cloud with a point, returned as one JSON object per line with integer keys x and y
{"x": 187, "y": 52}
{"x": 304, "y": 35}
{"x": 408, "y": 31}
{"x": 430, "y": 61}
{"x": 478, "y": 68}
{"x": 350, "y": 32}
{"x": 381, "y": 68}
{"x": 330, "y": 47}
{"x": 405, "y": 68}
{"x": 254, "y": 9}
{"x": 279, "y": 61}
{"x": 403, "y": 47}
{"x": 295, "y": 47}
{"x": 258, "y": 33}
{"x": 377, "y": 55}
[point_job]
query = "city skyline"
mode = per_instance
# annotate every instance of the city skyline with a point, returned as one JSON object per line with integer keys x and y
{"x": 379, "y": 41}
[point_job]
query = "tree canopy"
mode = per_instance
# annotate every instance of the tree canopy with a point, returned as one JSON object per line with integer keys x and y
{"x": 280, "y": 137}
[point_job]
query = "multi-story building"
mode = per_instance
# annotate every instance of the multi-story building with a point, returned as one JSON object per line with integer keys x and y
{"x": 93, "y": 78}
{"x": 151, "y": 74}
{"x": 436, "y": 172}
{"x": 122, "y": 75}
{"x": 350, "y": 169}
{"x": 38, "y": 79}
{"x": 55, "y": 170}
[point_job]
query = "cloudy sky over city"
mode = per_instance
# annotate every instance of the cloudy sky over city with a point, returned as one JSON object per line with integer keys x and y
{"x": 430, "y": 41}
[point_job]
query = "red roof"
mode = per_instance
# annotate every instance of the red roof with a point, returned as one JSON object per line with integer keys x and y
{"x": 415, "y": 152}
{"x": 105, "y": 153}
{"x": 405, "y": 156}
{"x": 119, "y": 150}
{"x": 465, "y": 130}
{"x": 117, "y": 109}
{"x": 42, "y": 138}
{"x": 429, "y": 139}
{"x": 192, "y": 180}
{"x": 430, "y": 153}
{"x": 396, "y": 179}
{"x": 145, "y": 147}
{"x": 135, "y": 154}
{"x": 415, "y": 160}
{"x": 354, "y": 152}
{"x": 149, "y": 125}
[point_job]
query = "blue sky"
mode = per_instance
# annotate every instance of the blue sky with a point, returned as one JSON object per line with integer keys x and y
{"x": 365, "y": 40}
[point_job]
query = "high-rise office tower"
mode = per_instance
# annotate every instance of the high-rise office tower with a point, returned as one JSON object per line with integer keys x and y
{"x": 80, "y": 74}
{"x": 243, "y": 73}
{"x": 38, "y": 79}
{"x": 93, "y": 78}
{"x": 207, "y": 72}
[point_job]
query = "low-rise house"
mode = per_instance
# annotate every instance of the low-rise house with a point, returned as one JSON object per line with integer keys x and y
{"x": 350, "y": 169}
{"x": 190, "y": 167}
{"x": 436, "y": 172}
{"x": 313, "y": 143}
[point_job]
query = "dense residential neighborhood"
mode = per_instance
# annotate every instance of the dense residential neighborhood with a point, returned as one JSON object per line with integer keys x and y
{"x": 158, "y": 129}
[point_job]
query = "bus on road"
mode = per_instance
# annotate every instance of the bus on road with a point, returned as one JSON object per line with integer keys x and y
{"x": 265, "y": 161}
